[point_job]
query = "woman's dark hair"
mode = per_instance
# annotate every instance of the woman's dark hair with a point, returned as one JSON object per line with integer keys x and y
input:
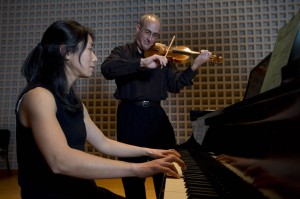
{"x": 45, "y": 64}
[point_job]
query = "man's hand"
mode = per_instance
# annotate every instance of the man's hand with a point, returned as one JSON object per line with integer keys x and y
{"x": 154, "y": 61}
{"x": 201, "y": 59}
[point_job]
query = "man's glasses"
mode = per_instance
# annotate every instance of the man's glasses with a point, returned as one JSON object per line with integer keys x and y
{"x": 148, "y": 33}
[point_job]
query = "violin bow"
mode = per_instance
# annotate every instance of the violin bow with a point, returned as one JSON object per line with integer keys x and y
{"x": 169, "y": 46}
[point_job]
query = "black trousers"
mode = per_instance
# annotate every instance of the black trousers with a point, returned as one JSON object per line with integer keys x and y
{"x": 146, "y": 127}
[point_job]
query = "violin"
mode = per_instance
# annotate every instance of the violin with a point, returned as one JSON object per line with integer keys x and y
{"x": 178, "y": 54}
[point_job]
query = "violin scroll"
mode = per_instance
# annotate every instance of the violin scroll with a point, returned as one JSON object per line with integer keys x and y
{"x": 215, "y": 59}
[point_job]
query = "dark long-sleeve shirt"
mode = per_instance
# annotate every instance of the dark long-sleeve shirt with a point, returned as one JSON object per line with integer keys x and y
{"x": 139, "y": 83}
{"x": 34, "y": 174}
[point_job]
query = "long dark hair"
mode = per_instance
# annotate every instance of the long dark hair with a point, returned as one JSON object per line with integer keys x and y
{"x": 45, "y": 64}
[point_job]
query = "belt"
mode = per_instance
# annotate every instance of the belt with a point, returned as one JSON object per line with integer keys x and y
{"x": 144, "y": 103}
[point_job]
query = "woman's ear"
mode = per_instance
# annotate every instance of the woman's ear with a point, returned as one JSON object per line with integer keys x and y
{"x": 63, "y": 51}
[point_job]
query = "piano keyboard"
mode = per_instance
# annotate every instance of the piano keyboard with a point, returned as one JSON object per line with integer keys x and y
{"x": 208, "y": 178}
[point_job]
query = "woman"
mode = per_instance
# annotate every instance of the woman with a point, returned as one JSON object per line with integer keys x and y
{"x": 53, "y": 125}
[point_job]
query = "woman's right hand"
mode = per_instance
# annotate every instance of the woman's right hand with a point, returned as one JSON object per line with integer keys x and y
{"x": 161, "y": 165}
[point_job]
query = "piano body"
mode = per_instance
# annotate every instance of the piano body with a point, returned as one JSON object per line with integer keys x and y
{"x": 265, "y": 126}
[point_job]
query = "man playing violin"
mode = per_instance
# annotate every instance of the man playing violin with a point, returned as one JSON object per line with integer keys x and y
{"x": 142, "y": 82}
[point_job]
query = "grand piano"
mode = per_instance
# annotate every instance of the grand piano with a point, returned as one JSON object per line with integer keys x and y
{"x": 263, "y": 126}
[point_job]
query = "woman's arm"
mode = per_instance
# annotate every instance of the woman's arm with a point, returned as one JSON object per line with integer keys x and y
{"x": 38, "y": 111}
{"x": 114, "y": 148}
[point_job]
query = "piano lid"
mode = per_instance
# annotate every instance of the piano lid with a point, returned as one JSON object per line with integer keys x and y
{"x": 256, "y": 77}
{"x": 281, "y": 103}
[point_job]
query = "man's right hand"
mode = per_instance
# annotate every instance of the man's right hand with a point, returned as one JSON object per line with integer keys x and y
{"x": 154, "y": 61}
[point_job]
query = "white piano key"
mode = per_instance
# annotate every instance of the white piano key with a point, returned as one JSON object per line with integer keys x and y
{"x": 175, "y": 189}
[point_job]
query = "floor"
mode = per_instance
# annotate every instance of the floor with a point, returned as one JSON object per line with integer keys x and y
{"x": 9, "y": 188}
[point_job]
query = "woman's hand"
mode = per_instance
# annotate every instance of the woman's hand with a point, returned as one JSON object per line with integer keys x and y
{"x": 161, "y": 165}
{"x": 159, "y": 153}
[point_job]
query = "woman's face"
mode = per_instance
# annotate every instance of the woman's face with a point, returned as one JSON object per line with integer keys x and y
{"x": 87, "y": 64}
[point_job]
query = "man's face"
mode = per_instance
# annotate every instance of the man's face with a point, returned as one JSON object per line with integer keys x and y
{"x": 147, "y": 34}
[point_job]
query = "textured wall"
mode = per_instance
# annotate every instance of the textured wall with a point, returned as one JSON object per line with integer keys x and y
{"x": 242, "y": 31}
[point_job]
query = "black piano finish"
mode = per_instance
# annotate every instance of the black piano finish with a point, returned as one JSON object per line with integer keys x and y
{"x": 262, "y": 126}
{"x": 271, "y": 105}
{"x": 265, "y": 127}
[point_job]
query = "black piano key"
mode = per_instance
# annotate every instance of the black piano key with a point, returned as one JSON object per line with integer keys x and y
{"x": 201, "y": 190}
{"x": 207, "y": 178}
{"x": 202, "y": 195}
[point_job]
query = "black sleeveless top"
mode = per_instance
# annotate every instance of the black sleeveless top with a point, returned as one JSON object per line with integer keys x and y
{"x": 34, "y": 175}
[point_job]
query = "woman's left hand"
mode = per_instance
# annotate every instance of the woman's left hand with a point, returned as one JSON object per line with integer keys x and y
{"x": 160, "y": 153}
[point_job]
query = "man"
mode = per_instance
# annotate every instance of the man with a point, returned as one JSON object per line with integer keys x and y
{"x": 141, "y": 84}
